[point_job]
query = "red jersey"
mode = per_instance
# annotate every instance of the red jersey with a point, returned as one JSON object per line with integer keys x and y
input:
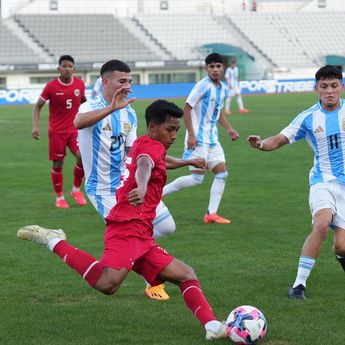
{"x": 64, "y": 101}
{"x": 146, "y": 212}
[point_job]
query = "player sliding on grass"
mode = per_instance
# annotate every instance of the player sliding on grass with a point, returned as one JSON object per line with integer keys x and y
{"x": 107, "y": 128}
{"x": 323, "y": 127}
{"x": 128, "y": 241}
{"x": 65, "y": 94}
{"x": 201, "y": 114}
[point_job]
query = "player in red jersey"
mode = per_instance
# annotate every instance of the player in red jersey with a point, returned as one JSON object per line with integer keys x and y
{"x": 129, "y": 244}
{"x": 65, "y": 94}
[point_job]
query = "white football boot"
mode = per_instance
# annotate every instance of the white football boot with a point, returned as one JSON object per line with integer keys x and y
{"x": 39, "y": 235}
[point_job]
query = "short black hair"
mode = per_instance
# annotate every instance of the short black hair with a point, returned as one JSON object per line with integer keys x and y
{"x": 159, "y": 111}
{"x": 66, "y": 57}
{"x": 328, "y": 72}
{"x": 214, "y": 57}
{"x": 114, "y": 65}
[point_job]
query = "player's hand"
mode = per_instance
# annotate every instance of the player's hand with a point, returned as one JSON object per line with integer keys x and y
{"x": 198, "y": 163}
{"x": 191, "y": 142}
{"x": 119, "y": 100}
{"x": 233, "y": 134}
{"x": 36, "y": 134}
{"x": 254, "y": 141}
{"x": 136, "y": 196}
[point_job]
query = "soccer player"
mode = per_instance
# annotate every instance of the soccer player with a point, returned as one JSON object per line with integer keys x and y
{"x": 201, "y": 113}
{"x": 322, "y": 126}
{"x": 128, "y": 241}
{"x": 232, "y": 80}
{"x": 65, "y": 94}
{"x": 107, "y": 128}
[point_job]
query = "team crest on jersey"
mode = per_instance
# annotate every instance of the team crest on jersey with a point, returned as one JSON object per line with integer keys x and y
{"x": 76, "y": 92}
{"x": 126, "y": 127}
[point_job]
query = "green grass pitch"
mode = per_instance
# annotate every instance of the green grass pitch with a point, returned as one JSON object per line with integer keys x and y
{"x": 252, "y": 261}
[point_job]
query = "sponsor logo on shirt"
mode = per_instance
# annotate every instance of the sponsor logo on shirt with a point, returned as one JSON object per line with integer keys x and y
{"x": 59, "y": 94}
{"x": 107, "y": 127}
{"x": 319, "y": 129}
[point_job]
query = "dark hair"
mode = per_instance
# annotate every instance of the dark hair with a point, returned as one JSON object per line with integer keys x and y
{"x": 66, "y": 57}
{"x": 214, "y": 57}
{"x": 328, "y": 72}
{"x": 114, "y": 65}
{"x": 160, "y": 110}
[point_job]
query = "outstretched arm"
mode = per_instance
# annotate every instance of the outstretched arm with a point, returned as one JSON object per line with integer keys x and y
{"x": 142, "y": 176}
{"x": 268, "y": 144}
{"x": 119, "y": 101}
{"x": 174, "y": 163}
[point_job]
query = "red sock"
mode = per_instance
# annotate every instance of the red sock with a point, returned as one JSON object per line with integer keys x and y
{"x": 78, "y": 175}
{"x": 57, "y": 179}
{"x": 196, "y": 301}
{"x": 83, "y": 263}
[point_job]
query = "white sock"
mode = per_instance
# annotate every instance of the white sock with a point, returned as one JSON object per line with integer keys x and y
{"x": 60, "y": 198}
{"x": 240, "y": 102}
{"x": 75, "y": 189}
{"x": 216, "y": 193}
{"x": 227, "y": 103}
{"x": 305, "y": 266}
{"x": 213, "y": 326}
{"x": 182, "y": 182}
{"x": 52, "y": 243}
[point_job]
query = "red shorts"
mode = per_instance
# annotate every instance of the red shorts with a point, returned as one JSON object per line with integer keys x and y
{"x": 58, "y": 141}
{"x": 130, "y": 245}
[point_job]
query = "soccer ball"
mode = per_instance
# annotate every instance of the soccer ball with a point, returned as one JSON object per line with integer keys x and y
{"x": 246, "y": 325}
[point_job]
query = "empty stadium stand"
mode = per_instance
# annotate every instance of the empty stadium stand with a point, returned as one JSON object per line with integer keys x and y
{"x": 89, "y": 38}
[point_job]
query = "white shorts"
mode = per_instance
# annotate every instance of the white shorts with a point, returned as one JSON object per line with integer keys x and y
{"x": 104, "y": 203}
{"x": 330, "y": 195}
{"x": 235, "y": 91}
{"x": 212, "y": 154}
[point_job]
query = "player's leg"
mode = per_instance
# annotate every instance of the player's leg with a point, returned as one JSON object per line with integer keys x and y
{"x": 216, "y": 162}
{"x": 195, "y": 178}
{"x": 105, "y": 280}
{"x": 163, "y": 225}
{"x": 57, "y": 153}
{"x": 227, "y": 110}
{"x": 78, "y": 171}
{"x": 183, "y": 275}
{"x": 240, "y": 102}
{"x": 310, "y": 251}
{"x": 339, "y": 245}
{"x": 338, "y": 222}
{"x": 322, "y": 206}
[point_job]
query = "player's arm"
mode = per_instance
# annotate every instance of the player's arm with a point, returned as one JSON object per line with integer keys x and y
{"x": 175, "y": 163}
{"x": 142, "y": 176}
{"x": 227, "y": 126}
{"x": 88, "y": 119}
{"x": 36, "y": 133}
{"x": 187, "y": 116}
{"x": 268, "y": 144}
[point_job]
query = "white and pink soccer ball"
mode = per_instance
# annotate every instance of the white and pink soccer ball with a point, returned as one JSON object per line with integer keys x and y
{"x": 246, "y": 325}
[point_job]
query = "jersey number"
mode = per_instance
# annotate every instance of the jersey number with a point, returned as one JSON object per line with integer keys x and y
{"x": 68, "y": 103}
{"x": 333, "y": 141}
{"x": 116, "y": 142}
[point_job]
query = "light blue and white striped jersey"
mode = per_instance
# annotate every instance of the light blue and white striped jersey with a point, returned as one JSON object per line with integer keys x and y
{"x": 206, "y": 100}
{"x": 324, "y": 131}
{"x": 102, "y": 146}
{"x": 231, "y": 74}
